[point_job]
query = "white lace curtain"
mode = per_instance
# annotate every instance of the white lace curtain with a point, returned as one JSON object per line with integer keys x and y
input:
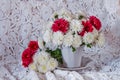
{"x": 25, "y": 20}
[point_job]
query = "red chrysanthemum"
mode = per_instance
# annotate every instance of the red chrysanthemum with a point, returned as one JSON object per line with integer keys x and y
{"x": 27, "y": 57}
{"x": 87, "y": 27}
{"x": 82, "y": 33}
{"x": 33, "y": 45}
{"x": 95, "y": 22}
{"x": 60, "y": 25}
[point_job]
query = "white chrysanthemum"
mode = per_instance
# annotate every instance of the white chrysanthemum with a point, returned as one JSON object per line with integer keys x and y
{"x": 77, "y": 41}
{"x": 68, "y": 40}
{"x": 95, "y": 33}
{"x": 65, "y": 14}
{"x": 42, "y": 58}
{"x": 47, "y": 36}
{"x": 88, "y": 38}
{"x": 101, "y": 40}
{"x": 40, "y": 43}
{"x": 80, "y": 13}
{"x": 52, "y": 64}
{"x": 84, "y": 19}
{"x": 32, "y": 66}
{"x": 35, "y": 58}
{"x": 76, "y": 26}
{"x": 42, "y": 68}
{"x": 53, "y": 15}
{"x": 58, "y": 38}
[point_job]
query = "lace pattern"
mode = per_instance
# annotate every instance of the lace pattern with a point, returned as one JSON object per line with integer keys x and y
{"x": 25, "y": 20}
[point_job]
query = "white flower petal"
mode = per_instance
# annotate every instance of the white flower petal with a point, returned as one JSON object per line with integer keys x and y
{"x": 40, "y": 43}
{"x": 76, "y": 26}
{"x": 42, "y": 68}
{"x": 95, "y": 33}
{"x": 101, "y": 40}
{"x": 80, "y": 13}
{"x": 58, "y": 38}
{"x": 52, "y": 64}
{"x": 32, "y": 66}
{"x": 42, "y": 58}
{"x": 47, "y": 36}
{"x": 68, "y": 40}
{"x": 77, "y": 41}
{"x": 67, "y": 15}
{"x": 88, "y": 38}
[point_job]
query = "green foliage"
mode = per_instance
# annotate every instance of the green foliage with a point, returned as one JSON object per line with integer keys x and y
{"x": 80, "y": 17}
{"x": 73, "y": 49}
{"x": 56, "y": 16}
{"x": 73, "y": 33}
{"x": 89, "y": 45}
{"x": 82, "y": 44}
{"x": 56, "y": 54}
{"x": 44, "y": 43}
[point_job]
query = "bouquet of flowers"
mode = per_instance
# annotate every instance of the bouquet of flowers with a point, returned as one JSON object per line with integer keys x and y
{"x": 41, "y": 62}
{"x": 69, "y": 31}
{"x": 64, "y": 30}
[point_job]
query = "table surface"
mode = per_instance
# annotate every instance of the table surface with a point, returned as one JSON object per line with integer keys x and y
{"x": 25, "y": 20}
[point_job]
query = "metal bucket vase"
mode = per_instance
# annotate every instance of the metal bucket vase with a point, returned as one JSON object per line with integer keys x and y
{"x": 71, "y": 59}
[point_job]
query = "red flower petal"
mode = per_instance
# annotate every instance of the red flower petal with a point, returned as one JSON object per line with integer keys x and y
{"x": 82, "y": 33}
{"x": 55, "y": 27}
{"x": 33, "y": 45}
{"x": 60, "y": 25}
{"x": 87, "y": 27}
{"x": 27, "y": 57}
{"x": 95, "y": 22}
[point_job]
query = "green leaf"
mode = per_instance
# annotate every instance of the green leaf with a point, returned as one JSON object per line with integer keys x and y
{"x": 56, "y": 16}
{"x": 80, "y": 17}
{"x": 73, "y": 49}
{"x": 44, "y": 43}
{"x": 56, "y": 54}
{"x": 89, "y": 45}
{"x": 73, "y": 33}
{"x": 82, "y": 44}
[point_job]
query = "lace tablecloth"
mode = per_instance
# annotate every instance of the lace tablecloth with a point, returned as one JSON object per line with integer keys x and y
{"x": 25, "y": 20}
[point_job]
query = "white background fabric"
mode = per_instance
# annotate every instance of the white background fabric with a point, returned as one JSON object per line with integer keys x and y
{"x": 25, "y": 20}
